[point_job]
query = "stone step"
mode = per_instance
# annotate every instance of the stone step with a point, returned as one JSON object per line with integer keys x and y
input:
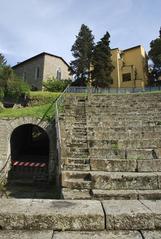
{"x": 128, "y": 134}
{"x": 57, "y": 215}
{"x": 126, "y": 126}
{"x": 79, "y": 129}
{"x": 76, "y": 179}
{"x": 125, "y": 144}
{"x": 132, "y": 214}
{"x": 126, "y": 194}
{"x": 125, "y": 165}
{"x": 77, "y": 155}
{"x": 97, "y": 117}
{"x": 26, "y": 234}
{"x": 108, "y": 235}
{"x": 124, "y": 123}
{"x": 75, "y": 160}
{"x": 79, "y": 137}
{"x": 76, "y": 184}
{"x": 76, "y": 144}
{"x": 86, "y": 176}
{"x": 75, "y": 194}
{"x": 116, "y": 153}
{"x": 126, "y": 180}
{"x": 80, "y": 150}
{"x": 78, "y": 167}
{"x": 122, "y": 129}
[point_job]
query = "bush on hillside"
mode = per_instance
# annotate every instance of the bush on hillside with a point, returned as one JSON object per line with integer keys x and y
{"x": 16, "y": 88}
{"x": 42, "y": 97}
{"x": 54, "y": 85}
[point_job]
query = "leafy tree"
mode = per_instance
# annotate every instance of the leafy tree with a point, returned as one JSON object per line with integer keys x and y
{"x": 155, "y": 55}
{"x": 102, "y": 63}
{"x": 82, "y": 52}
{"x": 10, "y": 85}
{"x": 3, "y": 60}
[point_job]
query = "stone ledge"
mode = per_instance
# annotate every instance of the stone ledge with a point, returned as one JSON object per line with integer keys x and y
{"x": 62, "y": 215}
{"x": 98, "y": 235}
{"x": 151, "y": 234}
{"x": 12, "y": 234}
{"x": 79, "y": 215}
{"x": 132, "y": 214}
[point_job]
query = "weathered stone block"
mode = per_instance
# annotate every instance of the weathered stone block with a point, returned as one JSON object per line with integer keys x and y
{"x": 149, "y": 165}
{"x": 151, "y": 234}
{"x": 159, "y": 179}
{"x": 12, "y": 213}
{"x": 127, "y": 215}
{"x": 155, "y": 208}
{"x": 115, "y": 194}
{"x": 51, "y": 215}
{"x": 98, "y": 235}
{"x": 14, "y": 234}
{"x": 149, "y": 194}
{"x": 115, "y": 165}
{"x": 124, "y": 180}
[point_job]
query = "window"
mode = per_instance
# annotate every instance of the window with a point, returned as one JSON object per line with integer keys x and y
{"x": 24, "y": 76}
{"x": 126, "y": 77}
{"x": 58, "y": 74}
{"x": 37, "y": 73}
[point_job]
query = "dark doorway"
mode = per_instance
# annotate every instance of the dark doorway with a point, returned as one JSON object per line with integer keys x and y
{"x": 28, "y": 176}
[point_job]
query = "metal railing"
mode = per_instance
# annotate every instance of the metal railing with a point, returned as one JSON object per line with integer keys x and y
{"x": 98, "y": 90}
{"x": 58, "y": 108}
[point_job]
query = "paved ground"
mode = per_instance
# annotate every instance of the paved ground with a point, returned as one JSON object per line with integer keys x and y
{"x": 80, "y": 235}
{"x": 77, "y": 219}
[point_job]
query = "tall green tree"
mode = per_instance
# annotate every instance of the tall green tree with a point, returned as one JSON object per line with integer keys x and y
{"x": 102, "y": 63}
{"x": 155, "y": 54}
{"x": 10, "y": 85}
{"x": 82, "y": 52}
{"x": 3, "y": 60}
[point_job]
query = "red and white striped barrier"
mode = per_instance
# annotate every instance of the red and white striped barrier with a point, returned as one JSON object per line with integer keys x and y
{"x": 29, "y": 164}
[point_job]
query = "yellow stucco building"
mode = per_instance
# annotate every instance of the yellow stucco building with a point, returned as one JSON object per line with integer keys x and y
{"x": 130, "y": 67}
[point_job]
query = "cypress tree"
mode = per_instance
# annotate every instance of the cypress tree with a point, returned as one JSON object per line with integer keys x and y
{"x": 102, "y": 63}
{"x": 82, "y": 52}
{"x": 155, "y": 54}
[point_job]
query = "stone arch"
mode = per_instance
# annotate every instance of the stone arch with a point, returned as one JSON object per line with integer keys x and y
{"x": 47, "y": 127}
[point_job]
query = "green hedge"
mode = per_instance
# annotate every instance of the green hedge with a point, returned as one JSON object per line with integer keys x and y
{"x": 42, "y": 97}
{"x": 54, "y": 85}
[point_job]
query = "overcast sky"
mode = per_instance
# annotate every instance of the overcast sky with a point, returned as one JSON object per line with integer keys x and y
{"x": 29, "y": 27}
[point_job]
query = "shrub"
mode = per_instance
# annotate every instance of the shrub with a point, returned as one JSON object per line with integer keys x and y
{"x": 54, "y": 85}
{"x": 16, "y": 88}
{"x": 42, "y": 97}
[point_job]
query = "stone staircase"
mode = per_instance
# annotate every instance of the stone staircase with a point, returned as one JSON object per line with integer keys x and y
{"x": 28, "y": 178}
{"x": 111, "y": 146}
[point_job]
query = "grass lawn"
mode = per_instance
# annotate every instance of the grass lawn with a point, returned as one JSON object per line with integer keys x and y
{"x": 34, "y": 111}
{"x": 40, "y": 105}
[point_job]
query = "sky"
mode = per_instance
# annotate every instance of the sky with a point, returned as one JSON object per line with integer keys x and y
{"x": 29, "y": 27}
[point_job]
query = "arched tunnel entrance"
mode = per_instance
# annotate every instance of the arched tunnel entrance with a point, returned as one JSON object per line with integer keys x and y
{"x": 29, "y": 173}
{"x": 29, "y": 147}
